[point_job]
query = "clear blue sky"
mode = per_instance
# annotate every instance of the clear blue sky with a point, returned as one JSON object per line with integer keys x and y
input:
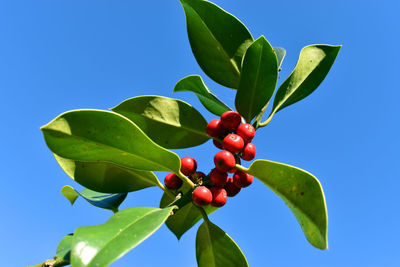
{"x": 62, "y": 55}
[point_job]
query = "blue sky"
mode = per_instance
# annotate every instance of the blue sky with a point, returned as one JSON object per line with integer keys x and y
{"x": 62, "y": 55}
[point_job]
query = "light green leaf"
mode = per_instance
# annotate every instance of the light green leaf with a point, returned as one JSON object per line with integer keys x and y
{"x": 64, "y": 248}
{"x": 101, "y": 200}
{"x": 195, "y": 84}
{"x": 258, "y": 79}
{"x": 101, "y": 245}
{"x": 218, "y": 40}
{"x": 280, "y": 54}
{"x": 169, "y": 122}
{"x": 303, "y": 194}
{"x": 214, "y": 248}
{"x": 69, "y": 193}
{"x": 107, "y": 177}
{"x": 103, "y": 136}
{"x": 186, "y": 216}
{"x": 313, "y": 65}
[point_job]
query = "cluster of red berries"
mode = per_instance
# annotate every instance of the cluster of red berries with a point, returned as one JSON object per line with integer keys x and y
{"x": 217, "y": 186}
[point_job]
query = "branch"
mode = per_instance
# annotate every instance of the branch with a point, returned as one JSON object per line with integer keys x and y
{"x": 53, "y": 263}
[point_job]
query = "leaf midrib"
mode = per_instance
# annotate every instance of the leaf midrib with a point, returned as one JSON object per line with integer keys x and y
{"x": 176, "y": 125}
{"x": 108, "y": 146}
{"x": 130, "y": 170}
{"x": 123, "y": 230}
{"x": 210, "y": 244}
{"x": 255, "y": 86}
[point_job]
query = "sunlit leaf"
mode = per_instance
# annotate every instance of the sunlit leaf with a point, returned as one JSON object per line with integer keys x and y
{"x": 303, "y": 194}
{"x": 101, "y": 245}
{"x": 169, "y": 122}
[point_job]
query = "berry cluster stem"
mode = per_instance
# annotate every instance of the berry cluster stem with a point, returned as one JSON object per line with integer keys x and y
{"x": 185, "y": 179}
{"x": 169, "y": 193}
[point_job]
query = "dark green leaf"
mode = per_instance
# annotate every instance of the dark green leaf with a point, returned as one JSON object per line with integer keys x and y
{"x": 258, "y": 79}
{"x": 214, "y": 248}
{"x": 101, "y": 245}
{"x": 280, "y": 54}
{"x": 103, "y": 136}
{"x": 313, "y": 65}
{"x": 303, "y": 194}
{"x": 186, "y": 216}
{"x": 169, "y": 122}
{"x": 101, "y": 200}
{"x": 64, "y": 248}
{"x": 218, "y": 40}
{"x": 195, "y": 84}
{"x": 107, "y": 177}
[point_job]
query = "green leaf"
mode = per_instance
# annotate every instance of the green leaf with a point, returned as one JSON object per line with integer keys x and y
{"x": 101, "y": 245}
{"x": 195, "y": 84}
{"x": 107, "y": 177}
{"x": 169, "y": 122}
{"x": 101, "y": 200}
{"x": 313, "y": 65}
{"x": 258, "y": 79}
{"x": 103, "y": 136}
{"x": 280, "y": 54}
{"x": 69, "y": 193}
{"x": 214, "y": 248}
{"x": 218, "y": 40}
{"x": 64, "y": 248}
{"x": 186, "y": 216}
{"x": 303, "y": 194}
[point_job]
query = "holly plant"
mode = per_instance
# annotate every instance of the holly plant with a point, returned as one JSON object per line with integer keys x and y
{"x": 112, "y": 153}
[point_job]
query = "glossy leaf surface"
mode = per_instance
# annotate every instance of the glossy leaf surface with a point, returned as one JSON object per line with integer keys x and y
{"x": 303, "y": 194}
{"x": 258, "y": 79}
{"x": 313, "y": 65}
{"x": 107, "y": 177}
{"x": 218, "y": 40}
{"x": 185, "y": 217}
{"x": 100, "y": 245}
{"x": 214, "y": 248}
{"x": 101, "y": 200}
{"x": 195, "y": 84}
{"x": 64, "y": 248}
{"x": 103, "y": 136}
{"x": 169, "y": 122}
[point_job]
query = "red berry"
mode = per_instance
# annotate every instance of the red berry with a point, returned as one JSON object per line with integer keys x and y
{"x": 237, "y": 162}
{"x": 218, "y": 178}
{"x": 215, "y": 128}
{"x": 224, "y": 161}
{"x": 202, "y": 196}
{"x": 233, "y": 143}
{"x": 172, "y": 181}
{"x": 231, "y": 189}
{"x": 188, "y": 165}
{"x": 242, "y": 179}
{"x": 218, "y": 144}
{"x": 197, "y": 176}
{"x": 218, "y": 196}
{"x": 231, "y": 120}
{"x": 249, "y": 152}
{"x": 246, "y": 131}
